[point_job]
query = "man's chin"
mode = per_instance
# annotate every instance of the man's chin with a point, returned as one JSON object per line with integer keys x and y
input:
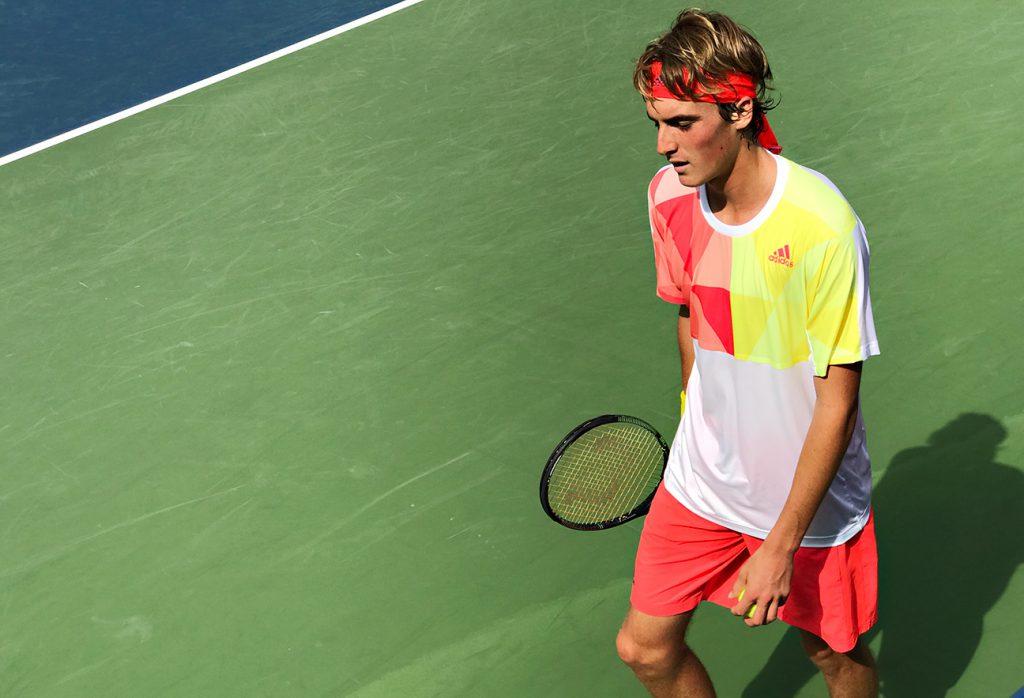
{"x": 687, "y": 179}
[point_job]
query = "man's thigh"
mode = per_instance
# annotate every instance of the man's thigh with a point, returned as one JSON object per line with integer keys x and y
{"x": 644, "y": 632}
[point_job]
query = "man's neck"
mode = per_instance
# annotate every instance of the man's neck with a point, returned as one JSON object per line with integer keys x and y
{"x": 740, "y": 195}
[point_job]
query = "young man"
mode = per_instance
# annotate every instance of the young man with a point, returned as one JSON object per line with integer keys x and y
{"x": 765, "y": 505}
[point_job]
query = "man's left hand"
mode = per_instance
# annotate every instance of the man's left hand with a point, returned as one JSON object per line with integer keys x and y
{"x": 764, "y": 580}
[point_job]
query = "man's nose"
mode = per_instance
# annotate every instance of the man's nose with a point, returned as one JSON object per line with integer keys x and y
{"x": 665, "y": 143}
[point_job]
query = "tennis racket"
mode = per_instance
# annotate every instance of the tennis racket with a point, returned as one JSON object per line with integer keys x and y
{"x": 603, "y": 473}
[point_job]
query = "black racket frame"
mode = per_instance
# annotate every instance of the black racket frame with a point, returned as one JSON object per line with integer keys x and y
{"x": 639, "y": 510}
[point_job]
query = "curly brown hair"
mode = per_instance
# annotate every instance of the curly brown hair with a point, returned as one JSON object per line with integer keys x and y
{"x": 697, "y": 55}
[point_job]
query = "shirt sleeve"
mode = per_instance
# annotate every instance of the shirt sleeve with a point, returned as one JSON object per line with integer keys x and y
{"x": 840, "y": 325}
{"x": 672, "y": 279}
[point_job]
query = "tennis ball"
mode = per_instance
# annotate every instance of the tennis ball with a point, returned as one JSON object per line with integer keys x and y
{"x": 750, "y": 612}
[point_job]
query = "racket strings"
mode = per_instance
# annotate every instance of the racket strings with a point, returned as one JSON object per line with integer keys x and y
{"x": 606, "y": 473}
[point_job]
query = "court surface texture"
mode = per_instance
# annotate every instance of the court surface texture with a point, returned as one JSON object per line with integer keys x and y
{"x": 283, "y": 357}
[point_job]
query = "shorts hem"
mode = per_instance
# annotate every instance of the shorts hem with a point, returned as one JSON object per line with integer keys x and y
{"x": 665, "y": 610}
{"x": 837, "y": 644}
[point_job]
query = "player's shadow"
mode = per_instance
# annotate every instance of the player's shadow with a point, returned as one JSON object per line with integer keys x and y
{"x": 947, "y": 519}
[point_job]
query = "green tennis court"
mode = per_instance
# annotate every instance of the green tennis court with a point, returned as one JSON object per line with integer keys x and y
{"x": 283, "y": 358}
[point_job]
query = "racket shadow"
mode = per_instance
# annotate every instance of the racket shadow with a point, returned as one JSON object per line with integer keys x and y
{"x": 947, "y": 518}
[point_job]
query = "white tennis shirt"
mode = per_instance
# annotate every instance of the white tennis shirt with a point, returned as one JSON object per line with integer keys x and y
{"x": 772, "y": 303}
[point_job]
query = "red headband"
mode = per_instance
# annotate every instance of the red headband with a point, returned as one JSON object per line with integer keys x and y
{"x": 736, "y": 87}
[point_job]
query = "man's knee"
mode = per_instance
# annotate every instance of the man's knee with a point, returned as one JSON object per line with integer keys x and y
{"x": 828, "y": 660}
{"x": 818, "y": 651}
{"x": 648, "y": 659}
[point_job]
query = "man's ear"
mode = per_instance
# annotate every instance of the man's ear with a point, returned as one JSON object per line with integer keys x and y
{"x": 744, "y": 114}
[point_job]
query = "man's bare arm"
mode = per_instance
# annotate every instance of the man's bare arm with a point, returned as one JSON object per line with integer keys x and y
{"x": 766, "y": 576}
{"x": 686, "y": 353}
{"x": 835, "y": 415}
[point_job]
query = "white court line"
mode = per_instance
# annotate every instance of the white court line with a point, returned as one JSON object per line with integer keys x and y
{"x": 231, "y": 72}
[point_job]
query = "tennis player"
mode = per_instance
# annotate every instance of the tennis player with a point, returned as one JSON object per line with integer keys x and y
{"x": 767, "y": 493}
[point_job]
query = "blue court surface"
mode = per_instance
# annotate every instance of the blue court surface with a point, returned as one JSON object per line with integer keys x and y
{"x": 65, "y": 64}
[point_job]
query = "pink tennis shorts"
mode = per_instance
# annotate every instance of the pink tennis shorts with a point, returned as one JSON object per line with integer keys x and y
{"x": 684, "y": 559}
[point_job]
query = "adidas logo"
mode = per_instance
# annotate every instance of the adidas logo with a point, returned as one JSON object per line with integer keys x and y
{"x": 782, "y": 256}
